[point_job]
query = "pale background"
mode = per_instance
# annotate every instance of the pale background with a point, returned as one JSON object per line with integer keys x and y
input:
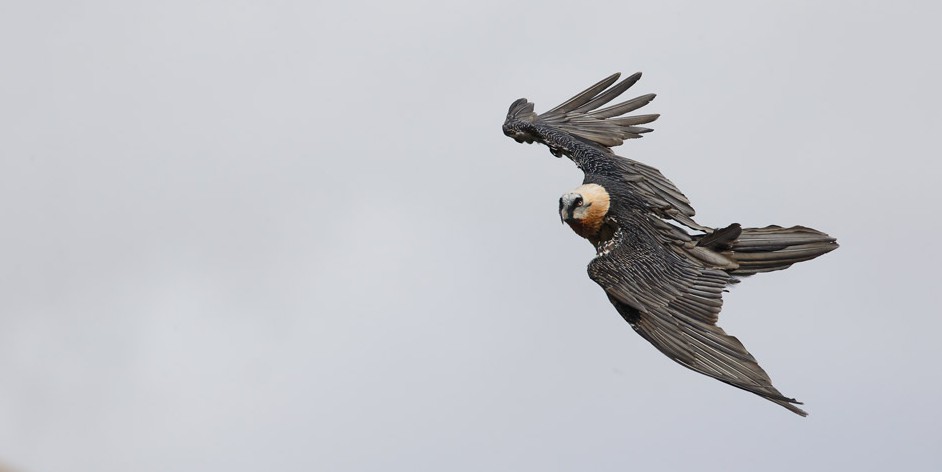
{"x": 290, "y": 236}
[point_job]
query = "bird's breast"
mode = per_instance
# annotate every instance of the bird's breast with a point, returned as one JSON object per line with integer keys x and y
{"x": 586, "y": 229}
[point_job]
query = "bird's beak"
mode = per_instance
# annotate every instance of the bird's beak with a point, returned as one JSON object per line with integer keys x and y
{"x": 567, "y": 205}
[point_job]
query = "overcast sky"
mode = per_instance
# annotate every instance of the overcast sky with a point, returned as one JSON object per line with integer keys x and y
{"x": 244, "y": 235}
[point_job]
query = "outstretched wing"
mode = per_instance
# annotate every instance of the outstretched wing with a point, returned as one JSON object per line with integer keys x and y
{"x": 674, "y": 303}
{"x": 607, "y": 127}
{"x": 579, "y": 129}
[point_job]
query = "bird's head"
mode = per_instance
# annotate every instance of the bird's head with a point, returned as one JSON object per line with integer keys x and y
{"x": 584, "y": 209}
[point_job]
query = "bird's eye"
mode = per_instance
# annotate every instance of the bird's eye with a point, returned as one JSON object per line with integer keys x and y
{"x": 579, "y": 201}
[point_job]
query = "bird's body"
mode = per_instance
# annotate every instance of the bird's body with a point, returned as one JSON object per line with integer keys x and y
{"x": 666, "y": 282}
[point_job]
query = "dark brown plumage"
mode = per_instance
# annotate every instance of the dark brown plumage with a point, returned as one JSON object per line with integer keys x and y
{"x": 667, "y": 282}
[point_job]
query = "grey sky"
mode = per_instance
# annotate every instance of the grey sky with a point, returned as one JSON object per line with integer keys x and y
{"x": 291, "y": 236}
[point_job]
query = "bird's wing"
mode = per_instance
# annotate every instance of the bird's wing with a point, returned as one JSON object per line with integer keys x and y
{"x": 674, "y": 303}
{"x": 580, "y": 115}
{"x": 580, "y": 130}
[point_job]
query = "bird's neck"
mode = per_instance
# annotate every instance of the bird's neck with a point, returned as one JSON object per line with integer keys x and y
{"x": 597, "y": 231}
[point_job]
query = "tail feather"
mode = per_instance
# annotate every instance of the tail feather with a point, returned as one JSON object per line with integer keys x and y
{"x": 776, "y": 248}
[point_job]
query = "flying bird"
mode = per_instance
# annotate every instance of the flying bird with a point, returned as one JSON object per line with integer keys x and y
{"x": 664, "y": 272}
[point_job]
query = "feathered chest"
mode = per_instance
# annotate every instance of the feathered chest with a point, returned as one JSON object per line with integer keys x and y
{"x": 600, "y": 232}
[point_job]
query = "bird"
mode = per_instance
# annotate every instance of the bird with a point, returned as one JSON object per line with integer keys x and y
{"x": 664, "y": 272}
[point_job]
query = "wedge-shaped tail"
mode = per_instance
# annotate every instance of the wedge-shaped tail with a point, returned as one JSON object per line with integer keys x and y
{"x": 776, "y": 248}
